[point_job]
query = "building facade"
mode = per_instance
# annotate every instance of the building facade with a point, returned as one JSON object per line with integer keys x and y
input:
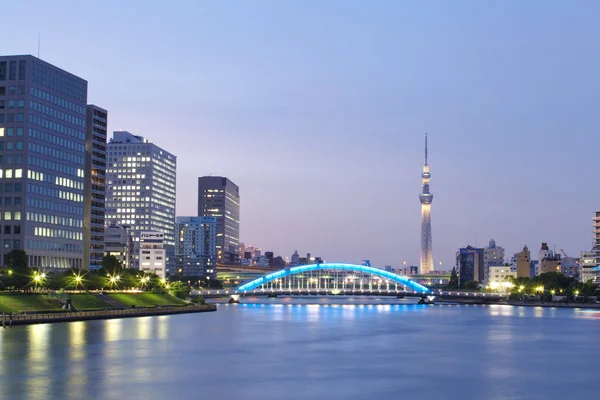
{"x": 426, "y": 264}
{"x": 219, "y": 197}
{"x": 118, "y": 242}
{"x": 196, "y": 250}
{"x": 152, "y": 256}
{"x": 140, "y": 190}
{"x": 493, "y": 255}
{"x": 469, "y": 265}
{"x": 42, "y": 154}
{"x": 95, "y": 187}
{"x": 499, "y": 275}
{"x": 542, "y": 255}
{"x": 587, "y": 263}
{"x": 524, "y": 263}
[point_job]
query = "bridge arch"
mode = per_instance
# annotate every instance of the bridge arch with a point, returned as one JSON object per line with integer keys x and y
{"x": 332, "y": 266}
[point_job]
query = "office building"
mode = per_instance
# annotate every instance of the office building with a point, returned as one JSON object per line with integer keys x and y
{"x": 152, "y": 256}
{"x": 542, "y": 254}
{"x": 493, "y": 255}
{"x": 550, "y": 263}
{"x": 42, "y": 159}
{"x": 295, "y": 259}
{"x": 118, "y": 242}
{"x": 95, "y": 187}
{"x": 499, "y": 275}
{"x": 426, "y": 198}
{"x": 524, "y": 263}
{"x": 140, "y": 190}
{"x": 196, "y": 251}
{"x": 587, "y": 263}
{"x": 469, "y": 265}
{"x": 570, "y": 267}
{"x": 220, "y": 198}
{"x": 596, "y": 237}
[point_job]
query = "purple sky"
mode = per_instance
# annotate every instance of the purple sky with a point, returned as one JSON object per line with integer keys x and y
{"x": 317, "y": 110}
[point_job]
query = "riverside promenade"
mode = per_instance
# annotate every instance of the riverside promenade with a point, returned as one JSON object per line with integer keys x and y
{"x": 9, "y": 319}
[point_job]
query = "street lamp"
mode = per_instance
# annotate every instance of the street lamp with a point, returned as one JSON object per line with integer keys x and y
{"x": 539, "y": 289}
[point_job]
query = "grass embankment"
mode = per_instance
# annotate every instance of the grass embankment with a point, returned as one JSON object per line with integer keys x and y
{"x": 146, "y": 299}
{"x": 27, "y": 302}
{"x": 88, "y": 302}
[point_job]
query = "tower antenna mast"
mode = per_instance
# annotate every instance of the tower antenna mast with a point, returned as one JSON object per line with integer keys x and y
{"x": 425, "y": 148}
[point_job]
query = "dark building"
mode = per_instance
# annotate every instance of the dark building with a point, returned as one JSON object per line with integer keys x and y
{"x": 219, "y": 197}
{"x": 469, "y": 265}
{"x": 270, "y": 256}
{"x": 43, "y": 112}
{"x": 95, "y": 187}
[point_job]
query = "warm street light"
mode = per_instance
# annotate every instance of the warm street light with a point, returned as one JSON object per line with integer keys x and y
{"x": 576, "y": 292}
{"x": 539, "y": 289}
{"x": 9, "y": 272}
{"x": 521, "y": 288}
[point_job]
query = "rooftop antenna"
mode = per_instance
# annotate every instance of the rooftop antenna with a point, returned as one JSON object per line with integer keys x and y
{"x": 425, "y": 148}
{"x": 39, "y": 40}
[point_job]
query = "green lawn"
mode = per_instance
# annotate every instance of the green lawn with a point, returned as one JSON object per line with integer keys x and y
{"x": 26, "y": 302}
{"x": 87, "y": 301}
{"x": 146, "y": 299}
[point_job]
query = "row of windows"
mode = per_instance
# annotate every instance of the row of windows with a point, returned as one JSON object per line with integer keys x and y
{"x": 12, "y": 104}
{"x": 11, "y": 201}
{"x": 12, "y": 70}
{"x": 54, "y": 153}
{"x": 10, "y": 173}
{"x": 12, "y": 90}
{"x": 15, "y": 242}
{"x": 52, "y": 112}
{"x": 54, "y": 206}
{"x": 57, "y": 233}
{"x": 56, "y": 127}
{"x": 9, "y": 187}
{"x": 11, "y": 216}
{"x": 56, "y": 180}
{"x": 51, "y": 165}
{"x": 12, "y": 118}
{"x": 18, "y": 159}
{"x": 11, "y": 131}
{"x": 10, "y": 145}
{"x": 10, "y": 229}
{"x": 62, "y": 142}
{"x": 54, "y": 246}
{"x": 51, "y": 192}
{"x": 59, "y": 101}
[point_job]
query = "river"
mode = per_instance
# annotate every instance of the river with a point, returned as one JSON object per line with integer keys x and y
{"x": 291, "y": 349}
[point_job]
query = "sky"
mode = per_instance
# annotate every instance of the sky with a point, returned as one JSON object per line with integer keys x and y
{"x": 318, "y": 109}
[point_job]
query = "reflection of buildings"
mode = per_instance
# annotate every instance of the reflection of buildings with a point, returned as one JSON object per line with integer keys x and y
{"x": 118, "y": 242}
{"x": 196, "y": 250}
{"x": 220, "y": 198}
{"x": 469, "y": 265}
{"x": 426, "y": 198}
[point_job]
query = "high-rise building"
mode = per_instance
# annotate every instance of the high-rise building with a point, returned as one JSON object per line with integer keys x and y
{"x": 596, "y": 237}
{"x": 196, "y": 250}
{"x": 524, "y": 263}
{"x": 118, "y": 242}
{"x": 42, "y": 153}
{"x": 95, "y": 187}
{"x": 426, "y": 198}
{"x": 140, "y": 190}
{"x": 493, "y": 255}
{"x": 219, "y": 197}
{"x": 469, "y": 265}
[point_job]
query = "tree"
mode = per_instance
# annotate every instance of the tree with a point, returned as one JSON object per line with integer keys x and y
{"x": 16, "y": 259}
{"x": 111, "y": 265}
{"x": 179, "y": 289}
{"x": 453, "y": 283}
{"x": 279, "y": 262}
{"x": 471, "y": 285}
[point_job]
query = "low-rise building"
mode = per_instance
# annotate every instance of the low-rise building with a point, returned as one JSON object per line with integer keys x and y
{"x": 152, "y": 253}
{"x": 118, "y": 242}
{"x": 499, "y": 276}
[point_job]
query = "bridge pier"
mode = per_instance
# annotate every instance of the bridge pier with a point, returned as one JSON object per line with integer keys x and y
{"x": 234, "y": 299}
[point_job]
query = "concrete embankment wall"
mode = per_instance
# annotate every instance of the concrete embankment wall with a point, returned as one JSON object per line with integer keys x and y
{"x": 44, "y": 318}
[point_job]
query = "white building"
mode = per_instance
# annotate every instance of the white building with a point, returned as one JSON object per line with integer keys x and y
{"x": 492, "y": 256}
{"x": 498, "y": 275}
{"x": 544, "y": 253}
{"x": 587, "y": 262}
{"x": 152, "y": 257}
{"x": 140, "y": 190}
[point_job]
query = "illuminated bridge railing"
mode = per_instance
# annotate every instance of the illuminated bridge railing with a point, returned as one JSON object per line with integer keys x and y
{"x": 326, "y": 276}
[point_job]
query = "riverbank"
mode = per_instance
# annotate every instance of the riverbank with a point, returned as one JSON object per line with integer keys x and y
{"x": 520, "y": 304}
{"x": 71, "y": 316}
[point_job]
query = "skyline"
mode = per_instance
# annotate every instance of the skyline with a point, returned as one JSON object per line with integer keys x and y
{"x": 500, "y": 101}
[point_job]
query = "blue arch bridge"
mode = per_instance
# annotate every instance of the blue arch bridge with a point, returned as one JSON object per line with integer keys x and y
{"x": 338, "y": 279}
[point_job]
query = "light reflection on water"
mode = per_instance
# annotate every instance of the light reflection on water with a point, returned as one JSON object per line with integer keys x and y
{"x": 302, "y": 348}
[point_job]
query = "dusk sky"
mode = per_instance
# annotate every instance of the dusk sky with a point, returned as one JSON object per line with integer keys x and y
{"x": 318, "y": 109}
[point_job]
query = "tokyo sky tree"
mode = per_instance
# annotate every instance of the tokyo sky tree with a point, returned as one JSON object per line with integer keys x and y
{"x": 426, "y": 199}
